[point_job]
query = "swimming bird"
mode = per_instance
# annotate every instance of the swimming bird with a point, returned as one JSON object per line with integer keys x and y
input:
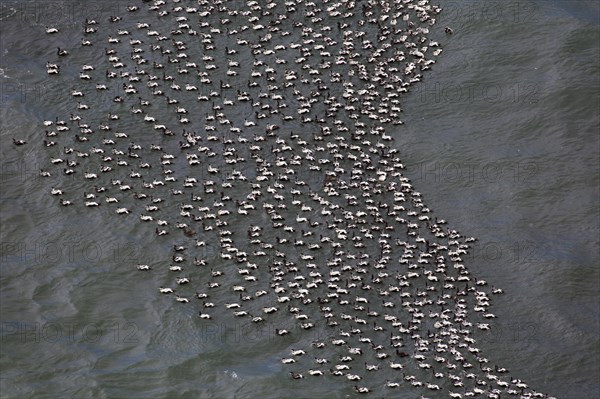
{"x": 304, "y": 209}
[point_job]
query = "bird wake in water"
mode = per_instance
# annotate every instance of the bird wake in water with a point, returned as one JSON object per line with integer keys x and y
{"x": 273, "y": 148}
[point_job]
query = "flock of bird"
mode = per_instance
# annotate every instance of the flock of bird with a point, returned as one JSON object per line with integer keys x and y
{"x": 258, "y": 128}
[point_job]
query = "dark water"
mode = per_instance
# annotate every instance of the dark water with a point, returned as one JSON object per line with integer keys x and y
{"x": 501, "y": 139}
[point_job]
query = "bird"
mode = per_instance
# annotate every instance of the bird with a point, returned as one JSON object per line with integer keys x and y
{"x": 391, "y": 384}
{"x": 283, "y": 190}
{"x": 358, "y": 389}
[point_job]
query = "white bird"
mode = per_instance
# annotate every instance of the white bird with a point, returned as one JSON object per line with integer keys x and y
{"x": 395, "y": 365}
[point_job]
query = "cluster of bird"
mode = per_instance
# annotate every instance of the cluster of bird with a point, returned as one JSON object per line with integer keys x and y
{"x": 259, "y": 129}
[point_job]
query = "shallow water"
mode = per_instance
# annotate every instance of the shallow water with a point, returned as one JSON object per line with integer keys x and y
{"x": 500, "y": 138}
